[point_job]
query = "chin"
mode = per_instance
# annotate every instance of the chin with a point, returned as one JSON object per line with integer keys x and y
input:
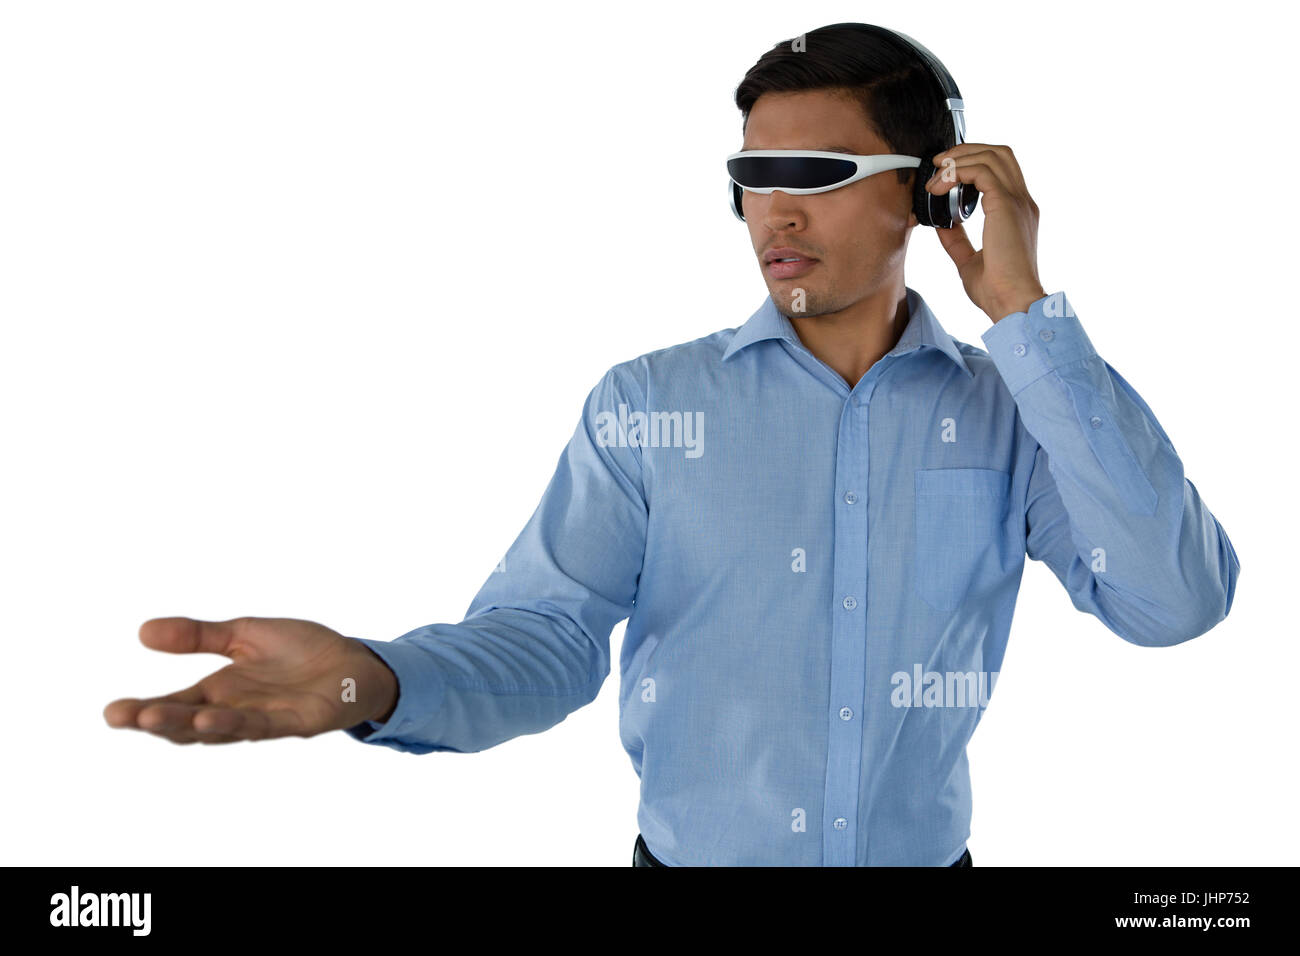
{"x": 785, "y": 299}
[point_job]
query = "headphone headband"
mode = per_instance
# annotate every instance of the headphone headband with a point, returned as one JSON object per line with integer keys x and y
{"x": 952, "y": 95}
{"x": 952, "y": 100}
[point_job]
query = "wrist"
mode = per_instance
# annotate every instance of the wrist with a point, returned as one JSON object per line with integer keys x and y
{"x": 1019, "y": 302}
{"x": 377, "y": 689}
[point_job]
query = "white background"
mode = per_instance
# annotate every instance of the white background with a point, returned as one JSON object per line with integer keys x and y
{"x": 301, "y": 302}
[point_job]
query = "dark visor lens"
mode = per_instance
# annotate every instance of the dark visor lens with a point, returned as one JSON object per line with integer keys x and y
{"x": 789, "y": 172}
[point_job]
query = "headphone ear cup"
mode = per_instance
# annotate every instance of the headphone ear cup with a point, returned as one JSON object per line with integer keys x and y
{"x": 923, "y": 203}
{"x": 932, "y": 210}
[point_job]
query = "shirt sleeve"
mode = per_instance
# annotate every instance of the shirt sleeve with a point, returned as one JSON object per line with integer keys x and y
{"x": 1108, "y": 508}
{"x": 534, "y": 645}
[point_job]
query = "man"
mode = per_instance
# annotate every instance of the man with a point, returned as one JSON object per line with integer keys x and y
{"x": 815, "y": 524}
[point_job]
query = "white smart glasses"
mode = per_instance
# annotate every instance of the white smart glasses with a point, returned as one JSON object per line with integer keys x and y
{"x": 802, "y": 172}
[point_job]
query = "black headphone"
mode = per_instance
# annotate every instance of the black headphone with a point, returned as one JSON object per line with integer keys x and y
{"x": 931, "y": 210}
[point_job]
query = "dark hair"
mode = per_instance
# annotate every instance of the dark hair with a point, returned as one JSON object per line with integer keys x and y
{"x": 900, "y": 98}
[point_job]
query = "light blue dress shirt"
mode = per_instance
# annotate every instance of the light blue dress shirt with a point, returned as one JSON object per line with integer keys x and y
{"x": 818, "y": 580}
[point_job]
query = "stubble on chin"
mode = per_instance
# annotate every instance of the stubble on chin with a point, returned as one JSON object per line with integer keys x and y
{"x": 812, "y": 303}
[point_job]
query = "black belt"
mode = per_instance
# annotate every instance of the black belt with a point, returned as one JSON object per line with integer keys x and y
{"x": 641, "y": 856}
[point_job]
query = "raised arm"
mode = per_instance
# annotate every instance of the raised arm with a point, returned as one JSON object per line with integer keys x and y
{"x": 1109, "y": 509}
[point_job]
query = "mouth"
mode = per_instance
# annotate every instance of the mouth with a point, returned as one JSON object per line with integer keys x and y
{"x": 788, "y": 266}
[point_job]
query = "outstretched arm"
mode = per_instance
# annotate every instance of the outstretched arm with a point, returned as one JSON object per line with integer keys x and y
{"x": 534, "y": 645}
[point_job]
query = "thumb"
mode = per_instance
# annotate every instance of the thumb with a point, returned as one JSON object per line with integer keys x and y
{"x": 956, "y": 244}
{"x": 184, "y": 635}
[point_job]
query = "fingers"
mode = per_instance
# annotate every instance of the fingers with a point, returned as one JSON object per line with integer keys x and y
{"x": 125, "y": 711}
{"x": 185, "y": 635}
{"x": 957, "y": 244}
{"x": 184, "y": 717}
{"x": 970, "y": 170}
{"x": 995, "y": 156}
{"x": 167, "y": 717}
{"x": 246, "y": 723}
{"x": 186, "y": 725}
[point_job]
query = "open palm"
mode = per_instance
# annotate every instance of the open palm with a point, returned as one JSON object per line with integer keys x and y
{"x": 285, "y": 679}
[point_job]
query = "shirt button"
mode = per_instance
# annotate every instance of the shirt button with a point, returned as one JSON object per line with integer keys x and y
{"x": 840, "y": 823}
{"x": 850, "y": 497}
{"x": 1046, "y": 335}
{"x": 1095, "y": 421}
{"x": 846, "y": 713}
{"x": 850, "y": 603}
{"x": 1019, "y": 349}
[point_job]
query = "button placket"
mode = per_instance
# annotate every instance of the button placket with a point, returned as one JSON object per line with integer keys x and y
{"x": 843, "y": 781}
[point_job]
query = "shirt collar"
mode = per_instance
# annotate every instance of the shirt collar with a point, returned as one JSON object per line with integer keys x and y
{"x": 922, "y": 329}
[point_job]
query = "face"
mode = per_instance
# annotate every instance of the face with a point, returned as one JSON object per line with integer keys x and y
{"x": 856, "y": 234}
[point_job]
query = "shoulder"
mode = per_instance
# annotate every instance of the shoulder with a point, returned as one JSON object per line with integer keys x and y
{"x": 686, "y": 361}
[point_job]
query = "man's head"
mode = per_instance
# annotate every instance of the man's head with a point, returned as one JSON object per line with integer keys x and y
{"x": 843, "y": 89}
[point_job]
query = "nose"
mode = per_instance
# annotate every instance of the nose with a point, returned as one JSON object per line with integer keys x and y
{"x": 782, "y": 211}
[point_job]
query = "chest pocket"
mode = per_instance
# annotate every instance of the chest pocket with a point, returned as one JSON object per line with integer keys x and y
{"x": 959, "y": 515}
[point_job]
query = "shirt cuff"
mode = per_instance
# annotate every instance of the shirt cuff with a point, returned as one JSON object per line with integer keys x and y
{"x": 420, "y": 691}
{"x": 1025, "y": 346}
